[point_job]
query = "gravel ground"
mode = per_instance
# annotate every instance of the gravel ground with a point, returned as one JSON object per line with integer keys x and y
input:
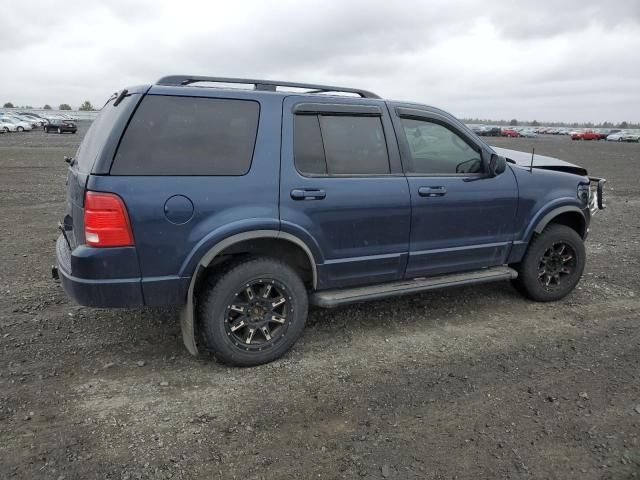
{"x": 467, "y": 383}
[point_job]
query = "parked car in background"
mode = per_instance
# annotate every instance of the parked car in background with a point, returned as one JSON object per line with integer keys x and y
{"x": 23, "y": 118}
{"x": 585, "y": 135}
{"x": 60, "y": 126}
{"x": 40, "y": 121}
{"x": 510, "y": 132}
{"x": 605, "y": 132}
{"x": 616, "y": 137}
{"x": 21, "y": 126}
{"x": 528, "y": 133}
{"x": 7, "y": 126}
{"x": 631, "y": 137}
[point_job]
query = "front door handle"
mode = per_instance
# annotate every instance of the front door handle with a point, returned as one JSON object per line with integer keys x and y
{"x": 432, "y": 191}
{"x": 308, "y": 194}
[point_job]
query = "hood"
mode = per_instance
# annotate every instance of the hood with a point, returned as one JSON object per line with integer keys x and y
{"x": 523, "y": 159}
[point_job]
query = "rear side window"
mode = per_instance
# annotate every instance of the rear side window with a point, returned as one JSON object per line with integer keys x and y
{"x": 307, "y": 145}
{"x": 340, "y": 145}
{"x": 188, "y": 136}
{"x": 98, "y": 133}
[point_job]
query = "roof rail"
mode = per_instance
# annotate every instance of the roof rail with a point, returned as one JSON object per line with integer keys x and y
{"x": 265, "y": 85}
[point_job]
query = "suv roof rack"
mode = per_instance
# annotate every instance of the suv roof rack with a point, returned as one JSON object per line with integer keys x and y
{"x": 264, "y": 85}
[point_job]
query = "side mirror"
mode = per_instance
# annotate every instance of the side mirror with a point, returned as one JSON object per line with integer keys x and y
{"x": 497, "y": 165}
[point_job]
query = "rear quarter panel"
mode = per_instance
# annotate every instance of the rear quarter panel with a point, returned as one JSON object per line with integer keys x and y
{"x": 223, "y": 205}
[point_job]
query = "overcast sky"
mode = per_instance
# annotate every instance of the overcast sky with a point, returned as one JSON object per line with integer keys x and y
{"x": 571, "y": 60}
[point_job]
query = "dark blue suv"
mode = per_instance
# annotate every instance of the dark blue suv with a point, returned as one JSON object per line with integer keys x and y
{"x": 242, "y": 206}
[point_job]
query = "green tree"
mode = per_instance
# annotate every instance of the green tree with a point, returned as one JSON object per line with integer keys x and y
{"x": 86, "y": 106}
{"x": 47, "y": 107}
{"x": 513, "y": 122}
{"x": 535, "y": 123}
{"x": 64, "y": 106}
{"x": 623, "y": 125}
{"x": 8, "y": 105}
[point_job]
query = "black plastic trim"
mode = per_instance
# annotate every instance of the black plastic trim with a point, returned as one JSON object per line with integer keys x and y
{"x": 337, "y": 109}
{"x": 262, "y": 85}
{"x": 334, "y": 298}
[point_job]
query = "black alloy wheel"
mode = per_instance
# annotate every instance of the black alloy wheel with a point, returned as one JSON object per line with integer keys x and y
{"x": 258, "y": 315}
{"x": 556, "y": 265}
{"x": 553, "y": 264}
{"x": 251, "y": 310}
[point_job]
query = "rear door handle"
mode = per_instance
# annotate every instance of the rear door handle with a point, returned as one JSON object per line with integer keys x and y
{"x": 308, "y": 194}
{"x": 432, "y": 191}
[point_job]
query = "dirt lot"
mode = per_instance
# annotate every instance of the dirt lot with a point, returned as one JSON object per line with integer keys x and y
{"x": 469, "y": 383}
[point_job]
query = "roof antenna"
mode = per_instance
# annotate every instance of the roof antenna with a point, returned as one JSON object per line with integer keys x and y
{"x": 533, "y": 152}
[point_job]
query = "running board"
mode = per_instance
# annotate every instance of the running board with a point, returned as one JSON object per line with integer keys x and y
{"x": 334, "y": 298}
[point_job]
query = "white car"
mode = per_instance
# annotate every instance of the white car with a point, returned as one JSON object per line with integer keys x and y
{"x": 20, "y": 125}
{"x": 631, "y": 137}
{"x": 36, "y": 121}
{"x": 7, "y": 126}
{"x": 616, "y": 137}
{"x": 22, "y": 118}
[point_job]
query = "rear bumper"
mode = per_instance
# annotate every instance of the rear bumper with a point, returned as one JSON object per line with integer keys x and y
{"x": 110, "y": 277}
{"x": 94, "y": 292}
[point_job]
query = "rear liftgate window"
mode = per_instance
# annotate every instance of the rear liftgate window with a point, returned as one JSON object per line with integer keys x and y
{"x": 188, "y": 136}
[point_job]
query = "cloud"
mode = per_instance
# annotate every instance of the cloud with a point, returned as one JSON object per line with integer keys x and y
{"x": 575, "y": 61}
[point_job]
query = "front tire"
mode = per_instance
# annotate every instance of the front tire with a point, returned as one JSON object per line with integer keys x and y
{"x": 59, "y": 130}
{"x": 553, "y": 264}
{"x": 253, "y": 311}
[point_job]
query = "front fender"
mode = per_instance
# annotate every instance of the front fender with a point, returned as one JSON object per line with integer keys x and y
{"x": 542, "y": 218}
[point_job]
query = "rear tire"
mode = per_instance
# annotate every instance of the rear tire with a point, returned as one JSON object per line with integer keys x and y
{"x": 20, "y": 129}
{"x": 553, "y": 264}
{"x": 236, "y": 312}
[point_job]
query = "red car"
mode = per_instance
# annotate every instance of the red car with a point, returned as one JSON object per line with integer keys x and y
{"x": 586, "y": 135}
{"x": 510, "y": 132}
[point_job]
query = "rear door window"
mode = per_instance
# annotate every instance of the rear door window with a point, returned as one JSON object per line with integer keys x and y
{"x": 173, "y": 135}
{"x": 340, "y": 145}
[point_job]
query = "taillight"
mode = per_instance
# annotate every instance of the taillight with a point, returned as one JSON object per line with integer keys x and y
{"x": 106, "y": 222}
